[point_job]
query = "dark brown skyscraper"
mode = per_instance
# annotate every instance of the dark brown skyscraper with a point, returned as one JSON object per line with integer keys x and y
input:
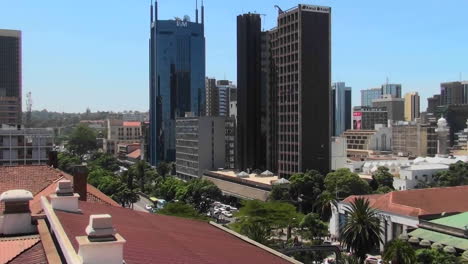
{"x": 251, "y": 103}
{"x": 10, "y": 77}
{"x": 302, "y": 56}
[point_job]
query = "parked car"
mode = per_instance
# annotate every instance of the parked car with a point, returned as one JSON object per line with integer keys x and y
{"x": 148, "y": 207}
{"x": 373, "y": 260}
{"x": 227, "y": 213}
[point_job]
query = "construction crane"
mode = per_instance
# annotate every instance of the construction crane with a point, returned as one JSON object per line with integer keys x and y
{"x": 28, "y": 109}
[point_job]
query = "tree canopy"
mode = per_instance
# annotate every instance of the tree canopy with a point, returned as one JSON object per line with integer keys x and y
{"x": 82, "y": 140}
{"x": 399, "y": 252}
{"x": 383, "y": 178}
{"x": 181, "y": 209}
{"x": 344, "y": 183}
{"x": 456, "y": 175}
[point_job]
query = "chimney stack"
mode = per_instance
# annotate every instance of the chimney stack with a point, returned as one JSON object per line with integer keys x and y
{"x": 102, "y": 244}
{"x": 80, "y": 181}
{"x": 64, "y": 199}
{"x": 17, "y": 215}
{"x": 53, "y": 159}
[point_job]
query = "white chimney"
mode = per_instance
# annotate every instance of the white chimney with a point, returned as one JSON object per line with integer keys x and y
{"x": 17, "y": 215}
{"x": 64, "y": 199}
{"x": 102, "y": 244}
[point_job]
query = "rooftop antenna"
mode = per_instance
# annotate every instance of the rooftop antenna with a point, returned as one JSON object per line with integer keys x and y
{"x": 151, "y": 11}
{"x": 196, "y": 11}
{"x": 156, "y": 10}
{"x": 202, "y": 13}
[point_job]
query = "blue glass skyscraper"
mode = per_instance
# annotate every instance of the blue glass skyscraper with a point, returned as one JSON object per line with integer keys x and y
{"x": 176, "y": 77}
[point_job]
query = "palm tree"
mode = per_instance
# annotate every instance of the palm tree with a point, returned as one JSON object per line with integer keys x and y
{"x": 399, "y": 252}
{"x": 323, "y": 205}
{"x": 362, "y": 230}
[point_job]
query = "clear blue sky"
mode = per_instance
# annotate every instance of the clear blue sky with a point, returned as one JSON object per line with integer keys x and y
{"x": 94, "y": 53}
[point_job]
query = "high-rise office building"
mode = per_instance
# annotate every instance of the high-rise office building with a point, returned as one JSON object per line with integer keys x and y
{"x": 366, "y": 118}
{"x": 411, "y": 106}
{"x": 395, "y": 106}
{"x": 212, "y": 97}
{"x": 177, "y": 78}
{"x": 225, "y": 91}
{"x": 433, "y": 103}
{"x": 300, "y": 47}
{"x": 341, "y": 105}
{"x": 10, "y": 77}
{"x": 393, "y": 89}
{"x": 251, "y": 110}
{"x": 452, "y": 93}
{"x": 368, "y": 95}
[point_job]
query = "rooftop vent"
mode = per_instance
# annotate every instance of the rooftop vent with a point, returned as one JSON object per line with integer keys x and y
{"x": 17, "y": 215}
{"x": 64, "y": 199}
{"x": 102, "y": 244}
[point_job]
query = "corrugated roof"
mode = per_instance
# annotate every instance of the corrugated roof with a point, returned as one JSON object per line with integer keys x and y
{"x": 131, "y": 124}
{"x": 458, "y": 221}
{"x": 165, "y": 239}
{"x": 11, "y": 247}
{"x": 420, "y": 201}
{"x": 135, "y": 154}
{"x": 448, "y": 240}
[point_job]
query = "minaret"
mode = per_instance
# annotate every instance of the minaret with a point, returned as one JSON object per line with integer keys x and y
{"x": 442, "y": 131}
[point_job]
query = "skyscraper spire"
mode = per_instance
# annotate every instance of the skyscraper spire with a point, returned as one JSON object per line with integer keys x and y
{"x": 155, "y": 10}
{"x": 151, "y": 12}
{"x": 203, "y": 15}
{"x": 196, "y": 11}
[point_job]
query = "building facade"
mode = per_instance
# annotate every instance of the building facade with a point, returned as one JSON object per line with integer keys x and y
{"x": 10, "y": 77}
{"x": 367, "y": 117}
{"x": 121, "y": 132}
{"x": 226, "y": 90}
{"x": 412, "y": 101}
{"x": 24, "y": 146}
{"x": 200, "y": 145}
{"x": 432, "y": 103}
{"x": 177, "y": 78}
{"x": 251, "y": 99}
{"x": 301, "y": 52}
{"x": 392, "y": 89}
{"x": 230, "y": 143}
{"x": 395, "y": 107}
{"x": 414, "y": 139}
{"x": 341, "y": 105}
{"x": 368, "y": 95}
{"x": 452, "y": 93}
{"x": 212, "y": 97}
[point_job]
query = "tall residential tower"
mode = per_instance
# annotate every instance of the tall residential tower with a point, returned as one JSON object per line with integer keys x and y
{"x": 176, "y": 77}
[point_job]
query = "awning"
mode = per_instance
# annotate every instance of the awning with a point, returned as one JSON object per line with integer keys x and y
{"x": 448, "y": 240}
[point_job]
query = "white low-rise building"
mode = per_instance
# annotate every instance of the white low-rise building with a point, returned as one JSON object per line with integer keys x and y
{"x": 413, "y": 175}
{"x": 400, "y": 211}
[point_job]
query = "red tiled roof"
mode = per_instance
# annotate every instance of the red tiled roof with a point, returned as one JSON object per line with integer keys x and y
{"x": 13, "y": 246}
{"x": 131, "y": 124}
{"x": 33, "y": 255}
{"x": 41, "y": 180}
{"x": 165, "y": 239}
{"x": 135, "y": 154}
{"x": 420, "y": 201}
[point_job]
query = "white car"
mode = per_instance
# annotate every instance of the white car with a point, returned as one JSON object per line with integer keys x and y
{"x": 148, "y": 207}
{"x": 227, "y": 213}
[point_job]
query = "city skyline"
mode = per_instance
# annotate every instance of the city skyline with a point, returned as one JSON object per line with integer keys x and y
{"x": 62, "y": 69}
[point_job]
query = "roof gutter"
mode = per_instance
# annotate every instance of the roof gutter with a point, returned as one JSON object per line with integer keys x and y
{"x": 65, "y": 245}
{"x": 255, "y": 243}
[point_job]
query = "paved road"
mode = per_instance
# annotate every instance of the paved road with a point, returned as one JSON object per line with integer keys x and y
{"x": 140, "y": 205}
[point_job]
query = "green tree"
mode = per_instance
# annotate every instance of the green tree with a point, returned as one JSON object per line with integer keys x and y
{"x": 434, "y": 256}
{"x": 200, "y": 193}
{"x": 257, "y": 219}
{"x": 312, "y": 227}
{"x": 82, "y": 140}
{"x": 383, "y": 190}
{"x": 456, "y": 175}
{"x": 170, "y": 188}
{"x": 103, "y": 160}
{"x": 280, "y": 193}
{"x": 323, "y": 205}
{"x": 305, "y": 188}
{"x": 126, "y": 196}
{"x": 399, "y": 252}
{"x": 344, "y": 183}
{"x": 181, "y": 209}
{"x": 163, "y": 169}
{"x": 362, "y": 230}
{"x": 383, "y": 177}
{"x": 67, "y": 160}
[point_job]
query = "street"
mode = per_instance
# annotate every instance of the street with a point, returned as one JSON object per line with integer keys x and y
{"x": 140, "y": 205}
